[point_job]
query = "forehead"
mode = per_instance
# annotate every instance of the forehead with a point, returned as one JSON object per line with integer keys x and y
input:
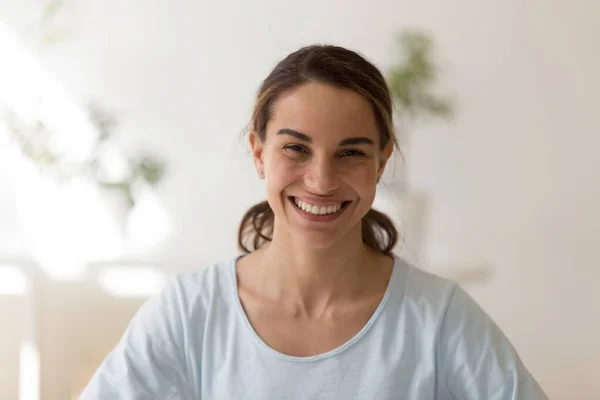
{"x": 323, "y": 111}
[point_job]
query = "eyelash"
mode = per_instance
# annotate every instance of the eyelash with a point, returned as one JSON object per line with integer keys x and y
{"x": 357, "y": 153}
{"x": 296, "y": 148}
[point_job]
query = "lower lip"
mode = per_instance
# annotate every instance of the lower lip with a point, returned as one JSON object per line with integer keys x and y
{"x": 318, "y": 218}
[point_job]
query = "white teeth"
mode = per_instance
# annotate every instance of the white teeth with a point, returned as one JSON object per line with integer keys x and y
{"x": 317, "y": 210}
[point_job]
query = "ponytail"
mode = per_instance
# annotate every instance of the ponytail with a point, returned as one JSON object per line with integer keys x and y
{"x": 256, "y": 229}
{"x": 379, "y": 232}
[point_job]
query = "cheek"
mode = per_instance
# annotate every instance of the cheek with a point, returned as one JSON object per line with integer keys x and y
{"x": 282, "y": 171}
{"x": 362, "y": 177}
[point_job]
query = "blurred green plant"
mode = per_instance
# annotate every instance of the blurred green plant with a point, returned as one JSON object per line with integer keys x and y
{"x": 53, "y": 25}
{"x": 37, "y": 142}
{"x": 141, "y": 168}
{"x": 412, "y": 79}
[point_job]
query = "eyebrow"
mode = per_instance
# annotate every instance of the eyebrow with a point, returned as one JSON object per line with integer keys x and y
{"x": 356, "y": 140}
{"x": 296, "y": 134}
{"x": 344, "y": 142}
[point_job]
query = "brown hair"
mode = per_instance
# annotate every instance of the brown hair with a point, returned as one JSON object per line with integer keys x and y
{"x": 342, "y": 68}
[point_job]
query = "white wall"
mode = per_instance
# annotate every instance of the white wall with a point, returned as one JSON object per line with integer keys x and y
{"x": 13, "y": 323}
{"x": 514, "y": 178}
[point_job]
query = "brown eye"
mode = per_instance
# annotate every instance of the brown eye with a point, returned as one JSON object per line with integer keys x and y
{"x": 296, "y": 148}
{"x": 352, "y": 153}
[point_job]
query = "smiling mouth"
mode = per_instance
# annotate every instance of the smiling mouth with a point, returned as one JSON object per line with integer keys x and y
{"x": 318, "y": 210}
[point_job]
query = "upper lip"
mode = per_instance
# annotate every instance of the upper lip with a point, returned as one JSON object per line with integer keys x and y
{"x": 320, "y": 201}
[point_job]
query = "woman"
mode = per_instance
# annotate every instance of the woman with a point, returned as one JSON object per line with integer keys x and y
{"x": 318, "y": 307}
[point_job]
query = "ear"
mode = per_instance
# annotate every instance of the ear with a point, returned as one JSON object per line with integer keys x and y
{"x": 256, "y": 146}
{"x": 386, "y": 153}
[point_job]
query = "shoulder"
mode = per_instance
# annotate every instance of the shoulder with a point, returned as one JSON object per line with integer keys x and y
{"x": 203, "y": 286}
{"x": 421, "y": 290}
{"x": 444, "y": 301}
{"x": 153, "y": 355}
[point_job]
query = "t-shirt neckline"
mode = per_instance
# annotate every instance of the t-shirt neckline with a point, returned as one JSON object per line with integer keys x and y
{"x": 262, "y": 344}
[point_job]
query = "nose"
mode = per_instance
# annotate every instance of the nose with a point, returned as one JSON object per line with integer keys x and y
{"x": 321, "y": 177}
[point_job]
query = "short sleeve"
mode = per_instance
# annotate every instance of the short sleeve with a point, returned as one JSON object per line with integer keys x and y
{"x": 149, "y": 360}
{"x": 477, "y": 360}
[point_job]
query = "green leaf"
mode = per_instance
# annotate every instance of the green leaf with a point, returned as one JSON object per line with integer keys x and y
{"x": 51, "y": 9}
{"x": 411, "y": 79}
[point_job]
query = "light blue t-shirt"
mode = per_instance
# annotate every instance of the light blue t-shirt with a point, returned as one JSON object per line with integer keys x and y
{"x": 427, "y": 340}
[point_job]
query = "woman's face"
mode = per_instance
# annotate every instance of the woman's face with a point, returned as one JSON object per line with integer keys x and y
{"x": 321, "y": 160}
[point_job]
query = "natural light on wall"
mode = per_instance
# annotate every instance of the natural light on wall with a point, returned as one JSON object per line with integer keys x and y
{"x": 29, "y": 372}
{"x": 127, "y": 281}
{"x": 13, "y": 281}
{"x": 71, "y": 223}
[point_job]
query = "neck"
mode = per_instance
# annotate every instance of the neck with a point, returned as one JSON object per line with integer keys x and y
{"x": 313, "y": 279}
